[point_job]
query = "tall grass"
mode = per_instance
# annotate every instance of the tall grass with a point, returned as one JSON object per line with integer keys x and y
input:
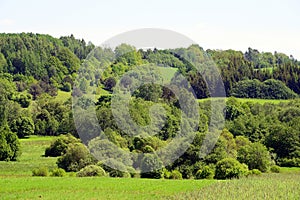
{"x": 268, "y": 186}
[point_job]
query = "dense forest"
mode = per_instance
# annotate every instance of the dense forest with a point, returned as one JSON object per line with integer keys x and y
{"x": 34, "y": 68}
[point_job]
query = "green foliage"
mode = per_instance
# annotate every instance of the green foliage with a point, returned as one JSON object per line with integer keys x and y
{"x": 103, "y": 149}
{"x": 77, "y": 46}
{"x": 53, "y": 60}
{"x": 35, "y": 90}
{"x": 269, "y": 89}
{"x": 127, "y": 55}
{"x": 109, "y": 83}
{"x": 275, "y": 169}
{"x": 175, "y": 174}
{"x": 58, "y": 172}
{"x": 53, "y": 117}
{"x": 91, "y": 170}
{"x": 7, "y": 88}
{"x": 116, "y": 168}
{"x": 205, "y": 173}
{"x": 60, "y": 145}
{"x": 289, "y": 162}
{"x": 151, "y": 167}
{"x": 83, "y": 85}
{"x": 149, "y": 92}
{"x": 229, "y": 168}
{"x": 69, "y": 60}
{"x": 166, "y": 173}
{"x": 255, "y": 172}
{"x": 76, "y": 157}
{"x": 117, "y": 139}
{"x": 256, "y": 156}
{"x": 3, "y": 63}
{"x": 284, "y": 140}
{"x": 67, "y": 87}
{"x": 41, "y": 171}
{"x": 9, "y": 145}
{"x": 224, "y": 148}
{"x": 39, "y": 64}
{"x": 24, "y": 100}
{"x": 23, "y": 126}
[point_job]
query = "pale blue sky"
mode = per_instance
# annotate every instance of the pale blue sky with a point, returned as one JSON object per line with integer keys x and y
{"x": 265, "y": 25}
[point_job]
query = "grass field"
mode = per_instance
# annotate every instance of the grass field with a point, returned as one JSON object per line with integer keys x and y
{"x": 62, "y": 96}
{"x": 167, "y": 73}
{"x": 267, "y": 186}
{"x": 16, "y": 182}
{"x": 94, "y": 188}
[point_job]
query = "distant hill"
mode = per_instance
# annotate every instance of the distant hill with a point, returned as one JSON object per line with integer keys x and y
{"x": 53, "y": 63}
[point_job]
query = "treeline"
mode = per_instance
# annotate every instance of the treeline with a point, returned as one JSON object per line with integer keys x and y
{"x": 41, "y": 63}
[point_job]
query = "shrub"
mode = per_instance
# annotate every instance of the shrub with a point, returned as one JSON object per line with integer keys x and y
{"x": 60, "y": 145}
{"x": 91, "y": 170}
{"x": 41, "y": 171}
{"x": 175, "y": 174}
{"x": 186, "y": 171}
{"x": 23, "y": 126}
{"x": 256, "y": 156}
{"x": 205, "y": 173}
{"x": 286, "y": 162}
{"x": 147, "y": 149}
{"x": 275, "y": 169}
{"x": 255, "y": 172}
{"x": 58, "y": 172}
{"x": 76, "y": 157}
{"x": 229, "y": 168}
{"x": 116, "y": 169}
{"x": 126, "y": 175}
{"x": 151, "y": 167}
{"x": 133, "y": 173}
{"x": 66, "y": 87}
{"x": 166, "y": 173}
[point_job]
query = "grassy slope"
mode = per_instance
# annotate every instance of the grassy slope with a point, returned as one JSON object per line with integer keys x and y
{"x": 62, "y": 96}
{"x": 167, "y": 73}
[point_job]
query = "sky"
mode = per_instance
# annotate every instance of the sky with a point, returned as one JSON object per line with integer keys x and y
{"x": 266, "y": 25}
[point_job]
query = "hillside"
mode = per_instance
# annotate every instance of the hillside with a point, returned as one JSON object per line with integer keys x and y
{"x": 45, "y": 64}
{"x": 38, "y": 72}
